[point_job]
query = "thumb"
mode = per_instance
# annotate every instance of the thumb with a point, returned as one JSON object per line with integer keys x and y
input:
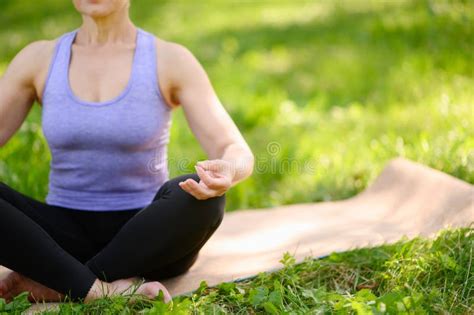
{"x": 210, "y": 165}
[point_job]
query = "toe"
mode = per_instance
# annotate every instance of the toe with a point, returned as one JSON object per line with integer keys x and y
{"x": 160, "y": 287}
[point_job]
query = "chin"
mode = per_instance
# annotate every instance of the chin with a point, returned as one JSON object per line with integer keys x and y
{"x": 98, "y": 8}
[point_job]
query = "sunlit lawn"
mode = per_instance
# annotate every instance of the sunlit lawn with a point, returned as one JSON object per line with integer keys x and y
{"x": 325, "y": 92}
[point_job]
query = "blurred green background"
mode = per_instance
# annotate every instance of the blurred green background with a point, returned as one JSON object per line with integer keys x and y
{"x": 325, "y": 92}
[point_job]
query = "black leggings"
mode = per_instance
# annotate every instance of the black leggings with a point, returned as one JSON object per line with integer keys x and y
{"x": 68, "y": 249}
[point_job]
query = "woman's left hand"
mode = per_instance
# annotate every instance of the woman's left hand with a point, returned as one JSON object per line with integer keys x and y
{"x": 215, "y": 176}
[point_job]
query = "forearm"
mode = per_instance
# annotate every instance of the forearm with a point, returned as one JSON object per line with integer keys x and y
{"x": 241, "y": 160}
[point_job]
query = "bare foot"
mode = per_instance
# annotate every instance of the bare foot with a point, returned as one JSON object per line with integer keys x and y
{"x": 15, "y": 283}
{"x": 127, "y": 286}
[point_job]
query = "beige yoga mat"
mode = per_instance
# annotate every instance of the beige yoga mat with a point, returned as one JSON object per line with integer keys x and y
{"x": 406, "y": 199}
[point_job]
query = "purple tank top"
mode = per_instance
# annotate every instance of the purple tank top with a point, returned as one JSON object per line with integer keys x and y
{"x": 108, "y": 155}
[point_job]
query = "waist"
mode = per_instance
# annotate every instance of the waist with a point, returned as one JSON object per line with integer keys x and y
{"x": 100, "y": 200}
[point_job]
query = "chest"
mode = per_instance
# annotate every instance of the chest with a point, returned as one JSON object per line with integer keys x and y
{"x": 103, "y": 97}
{"x": 99, "y": 75}
{"x": 125, "y": 126}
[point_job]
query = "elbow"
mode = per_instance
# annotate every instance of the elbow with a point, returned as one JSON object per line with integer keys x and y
{"x": 250, "y": 161}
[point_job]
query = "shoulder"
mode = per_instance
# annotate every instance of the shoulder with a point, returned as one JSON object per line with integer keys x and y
{"x": 30, "y": 65}
{"x": 178, "y": 68}
{"x": 34, "y": 53}
{"x": 172, "y": 51}
{"x": 31, "y": 59}
{"x": 38, "y": 48}
{"x": 178, "y": 57}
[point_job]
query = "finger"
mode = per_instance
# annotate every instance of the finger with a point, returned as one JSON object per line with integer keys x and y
{"x": 190, "y": 190}
{"x": 184, "y": 187}
{"x": 200, "y": 189}
{"x": 211, "y": 182}
{"x": 211, "y": 165}
{"x": 218, "y": 168}
{"x": 194, "y": 189}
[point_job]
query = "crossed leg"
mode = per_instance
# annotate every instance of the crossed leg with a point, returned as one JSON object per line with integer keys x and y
{"x": 159, "y": 241}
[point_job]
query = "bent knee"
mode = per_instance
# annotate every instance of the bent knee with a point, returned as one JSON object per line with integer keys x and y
{"x": 210, "y": 210}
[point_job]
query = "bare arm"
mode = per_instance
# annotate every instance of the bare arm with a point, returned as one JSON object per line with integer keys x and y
{"x": 17, "y": 89}
{"x": 215, "y": 130}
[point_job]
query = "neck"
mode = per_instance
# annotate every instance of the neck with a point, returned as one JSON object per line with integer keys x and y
{"x": 113, "y": 28}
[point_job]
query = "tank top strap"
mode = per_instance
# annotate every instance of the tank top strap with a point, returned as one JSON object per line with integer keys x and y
{"x": 58, "y": 64}
{"x": 144, "y": 74}
{"x": 146, "y": 61}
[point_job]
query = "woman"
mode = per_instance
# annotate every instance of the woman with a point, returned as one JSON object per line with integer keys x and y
{"x": 107, "y": 90}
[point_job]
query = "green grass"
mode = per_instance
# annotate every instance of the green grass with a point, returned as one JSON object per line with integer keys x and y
{"x": 418, "y": 276}
{"x": 325, "y": 92}
{"x": 336, "y": 88}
